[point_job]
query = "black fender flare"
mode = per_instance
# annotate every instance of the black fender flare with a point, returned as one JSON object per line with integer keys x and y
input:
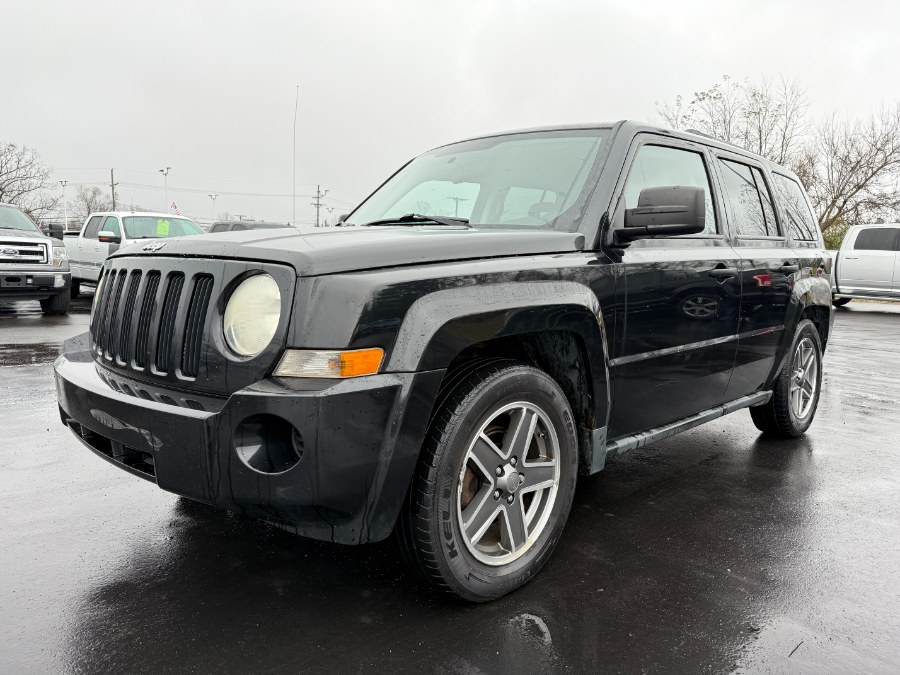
{"x": 439, "y": 325}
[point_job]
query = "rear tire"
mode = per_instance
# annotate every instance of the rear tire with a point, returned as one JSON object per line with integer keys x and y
{"x": 840, "y": 302}
{"x": 504, "y": 429}
{"x": 795, "y": 395}
{"x": 56, "y": 304}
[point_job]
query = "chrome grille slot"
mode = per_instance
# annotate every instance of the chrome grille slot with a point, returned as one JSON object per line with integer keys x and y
{"x": 123, "y": 354}
{"x": 167, "y": 321}
{"x": 110, "y": 334}
{"x": 193, "y": 328}
{"x": 142, "y": 339}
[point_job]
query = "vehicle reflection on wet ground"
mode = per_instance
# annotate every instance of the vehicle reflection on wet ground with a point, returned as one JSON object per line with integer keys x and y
{"x": 715, "y": 550}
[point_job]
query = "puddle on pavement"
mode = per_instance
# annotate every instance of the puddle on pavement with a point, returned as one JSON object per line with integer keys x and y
{"x": 29, "y": 354}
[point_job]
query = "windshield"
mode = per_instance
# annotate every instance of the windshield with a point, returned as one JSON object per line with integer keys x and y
{"x": 521, "y": 181}
{"x": 158, "y": 227}
{"x": 13, "y": 219}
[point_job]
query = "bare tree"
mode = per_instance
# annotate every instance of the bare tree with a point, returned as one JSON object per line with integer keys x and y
{"x": 850, "y": 168}
{"x": 88, "y": 200}
{"x": 25, "y": 181}
{"x": 768, "y": 119}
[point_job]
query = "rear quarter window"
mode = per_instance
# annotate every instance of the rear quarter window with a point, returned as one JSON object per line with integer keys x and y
{"x": 802, "y": 225}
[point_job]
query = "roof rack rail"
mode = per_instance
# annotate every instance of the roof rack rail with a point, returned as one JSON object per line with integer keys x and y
{"x": 703, "y": 133}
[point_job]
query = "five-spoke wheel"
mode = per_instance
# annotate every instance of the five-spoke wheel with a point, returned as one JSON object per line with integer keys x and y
{"x": 494, "y": 483}
{"x": 508, "y": 483}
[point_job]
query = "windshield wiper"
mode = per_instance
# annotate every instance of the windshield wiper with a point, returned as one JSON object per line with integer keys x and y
{"x": 415, "y": 218}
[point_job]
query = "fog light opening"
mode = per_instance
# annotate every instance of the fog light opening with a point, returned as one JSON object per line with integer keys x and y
{"x": 268, "y": 444}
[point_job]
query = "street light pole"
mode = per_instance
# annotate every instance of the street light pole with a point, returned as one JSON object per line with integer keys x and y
{"x": 213, "y": 197}
{"x": 165, "y": 173}
{"x": 294, "y": 184}
{"x": 65, "y": 206}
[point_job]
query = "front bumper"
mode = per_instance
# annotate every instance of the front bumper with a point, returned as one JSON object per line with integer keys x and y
{"x": 360, "y": 441}
{"x": 33, "y": 284}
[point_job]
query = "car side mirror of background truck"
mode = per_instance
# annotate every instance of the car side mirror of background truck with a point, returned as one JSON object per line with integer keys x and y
{"x": 109, "y": 237}
{"x": 668, "y": 210}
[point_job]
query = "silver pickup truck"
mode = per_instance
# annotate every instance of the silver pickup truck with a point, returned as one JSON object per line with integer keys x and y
{"x": 33, "y": 266}
{"x": 105, "y": 233}
{"x": 868, "y": 264}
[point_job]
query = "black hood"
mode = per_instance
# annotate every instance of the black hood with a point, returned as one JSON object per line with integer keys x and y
{"x": 348, "y": 249}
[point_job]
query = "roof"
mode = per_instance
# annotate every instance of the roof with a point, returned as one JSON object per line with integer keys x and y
{"x": 152, "y": 214}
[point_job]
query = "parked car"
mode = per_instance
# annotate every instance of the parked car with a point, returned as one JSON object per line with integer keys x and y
{"x": 104, "y": 233}
{"x": 868, "y": 264}
{"x": 241, "y": 225}
{"x": 500, "y": 316}
{"x": 33, "y": 266}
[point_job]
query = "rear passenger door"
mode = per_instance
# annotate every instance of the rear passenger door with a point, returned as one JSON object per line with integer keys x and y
{"x": 868, "y": 265}
{"x": 769, "y": 268}
{"x": 682, "y": 297}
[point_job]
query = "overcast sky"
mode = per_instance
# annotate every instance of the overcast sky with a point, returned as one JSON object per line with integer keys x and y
{"x": 208, "y": 88}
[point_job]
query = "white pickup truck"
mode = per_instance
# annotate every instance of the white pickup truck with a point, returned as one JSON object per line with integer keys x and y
{"x": 104, "y": 233}
{"x": 868, "y": 264}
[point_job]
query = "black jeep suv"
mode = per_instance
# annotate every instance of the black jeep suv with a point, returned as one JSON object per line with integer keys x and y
{"x": 500, "y": 316}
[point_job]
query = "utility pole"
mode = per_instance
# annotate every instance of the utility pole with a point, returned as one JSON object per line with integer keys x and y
{"x": 213, "y": 197}
{"x": 112, "y": 187}
{"x": 165, "y": 173}
{"x": 319, "y": 203}
{"x": 65, "y": 206}
{"x": 456, "y": 207}
{"x": 294, "y": 183}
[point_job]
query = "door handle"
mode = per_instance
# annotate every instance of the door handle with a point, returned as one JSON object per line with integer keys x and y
{"x": 723, "y": 272}
{"x": 851, "y": 257}
{"x": 789, "y": 269}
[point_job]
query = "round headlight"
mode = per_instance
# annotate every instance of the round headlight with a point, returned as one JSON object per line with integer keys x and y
{"x": 252, "y": 314}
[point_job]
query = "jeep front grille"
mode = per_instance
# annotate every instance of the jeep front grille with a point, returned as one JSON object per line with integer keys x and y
{"x": 129, "y": 298}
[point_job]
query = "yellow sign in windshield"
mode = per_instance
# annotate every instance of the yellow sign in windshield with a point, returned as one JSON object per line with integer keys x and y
{"x": 162, "y": 228}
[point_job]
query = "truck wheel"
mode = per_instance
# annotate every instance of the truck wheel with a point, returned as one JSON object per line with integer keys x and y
{"x": 56, "y": 304}
{"x": 75, "y": 289}
{"x": 840, "y": 302}
{"x": 792, "y": 407}
{"x": 494, "y": 483}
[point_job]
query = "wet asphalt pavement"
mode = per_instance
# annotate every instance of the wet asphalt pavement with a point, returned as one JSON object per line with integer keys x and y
{"x": 713, "y": 551}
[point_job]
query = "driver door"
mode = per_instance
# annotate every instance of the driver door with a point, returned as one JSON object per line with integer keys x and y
{"x": 682, "y": 301}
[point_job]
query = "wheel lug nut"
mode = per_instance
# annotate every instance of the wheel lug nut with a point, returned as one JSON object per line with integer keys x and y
{"x": 499, "y": 471}
{"x": 513, "y": 461}
{"x": 496, "y": 494}
{"x": 509, "y": 500}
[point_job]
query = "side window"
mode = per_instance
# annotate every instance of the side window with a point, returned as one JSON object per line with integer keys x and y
{"x": 876, "y": 239}
{"x": 238, "y": 227}
{"x": 219, "y": 228}
{"x": 92, "y": 227}
{"x": 800, "y": 220}
{"x": 751, "y": 203}
{"x": 660, "y": 166}
{"x": 111, "y": 224}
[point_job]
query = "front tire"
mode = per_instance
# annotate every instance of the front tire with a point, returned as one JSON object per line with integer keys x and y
{"x": 56, "y": 304}
{"x": 494, "y": 484}
{"x": 795, "y": 395}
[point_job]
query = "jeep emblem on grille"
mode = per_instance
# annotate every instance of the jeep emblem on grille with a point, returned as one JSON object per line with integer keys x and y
{"x": 10, "y": 252}
{"x": 154, "y": 246}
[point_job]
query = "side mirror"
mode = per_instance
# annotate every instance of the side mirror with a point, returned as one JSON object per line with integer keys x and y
{"x": 109, "y": 237}
{"x": 663, "y": 211}
{"x": 342, "y": 218}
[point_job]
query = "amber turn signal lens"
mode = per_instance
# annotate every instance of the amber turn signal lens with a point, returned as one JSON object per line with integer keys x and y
{"x": 330, "y": 364}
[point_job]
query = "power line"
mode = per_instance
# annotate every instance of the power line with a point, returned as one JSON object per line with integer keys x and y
{"x": 318, "y": 203}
